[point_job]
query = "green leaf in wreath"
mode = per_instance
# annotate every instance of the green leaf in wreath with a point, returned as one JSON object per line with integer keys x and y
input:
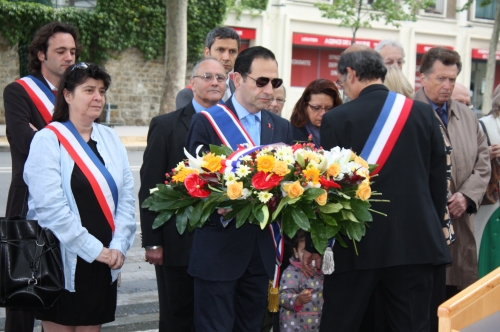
{"x": 287, "y": 223}
{"x": 331, "y": 231}
{"x": 312, "y": 193}
{"x": 265, "y": 212}
{"x": 355, "y": 230}
{"x": 301, "y": 160}
{"x": 181, "y": 220}
{"x": 283, "y": 202}
{"x": 300, "y": 218}
{"x": 195, "y": 216}
{"x": 328, "y": 219}
{"x": 345, "y": 204}
{"x": 348, "y": 215}
{"x": 236, "y": 208}
{"x": 308, "y": 210}
{"x": 168, "y": 190}
{"x": 360, "y": 210}
{"x": 318, "y": 235}
{"x": 220, "y": 150}
{"x": 162, "y": 218}
{"x": 161, "y": 205}
{"x": 243, "y": 215}
{"x": 149, "y": 201}
{"x": 340, "y": 240}
{"x": 184, "y": 202}
{"x": 331, "y": 208}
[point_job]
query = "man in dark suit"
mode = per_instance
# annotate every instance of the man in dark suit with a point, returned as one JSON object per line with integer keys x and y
{"x": 222, "y": 43}
{"x": 165, "y": 247}
{"x": 53, "y": 49}
{"x": 399, "y": 251}
{"x": 232, "y": 267}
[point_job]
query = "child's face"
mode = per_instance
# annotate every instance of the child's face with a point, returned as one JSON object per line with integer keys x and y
{"x": 299, "y": 251}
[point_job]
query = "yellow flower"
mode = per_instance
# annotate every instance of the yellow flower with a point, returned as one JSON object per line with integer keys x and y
{"x": 293, "y": 190}
{"x": 181, "y": 175}
{"x": 333, "y": 170}
{"x": 364, "y": 191}
{"x": 321, "y": 199}
{"x": 361, "y": 161}
{"x": 353, "y": 156}
{"x": 281, "y": 168}
{"x": 311, "y": 174}
{"x": 265, "y": 163}
{"x": 212, "y": 162}
{"x": 234, "y": 190}
{"x": 311, "y": 156}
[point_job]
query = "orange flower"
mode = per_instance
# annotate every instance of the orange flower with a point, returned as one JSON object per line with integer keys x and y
{"x": 333, "y": 170}
{"x": 181, "y": 175}
{"x": 311, "y": 174}
{"x": 265, "y": 163}
{"x": 361, "y": 161}
{"x": 234, "y": 190}
{"x": 212, "y": 162}
{"x": 281, "y": 168}
{"x": 364, "y": 191}
{"x": 293, "y": 190}
{"x": 321, "y": 199}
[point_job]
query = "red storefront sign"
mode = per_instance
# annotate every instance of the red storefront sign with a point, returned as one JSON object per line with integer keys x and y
{"x": 423, "y": 48}
{"x": 482, "y": 53}
{"x": 329, "y": 41}
{"x": 245, "y": 33}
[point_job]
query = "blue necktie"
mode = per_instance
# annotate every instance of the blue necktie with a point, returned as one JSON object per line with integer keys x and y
{"x": 253, "y": 127}
{"x": 443, "y": 115}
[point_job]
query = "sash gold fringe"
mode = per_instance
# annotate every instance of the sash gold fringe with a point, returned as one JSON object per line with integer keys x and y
{"x": 273, "y": 299}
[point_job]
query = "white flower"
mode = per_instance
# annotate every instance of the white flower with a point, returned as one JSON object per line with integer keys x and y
{"x": 289, "y": 160}
{"x": 246, "y": 158}
{"x": 310, "y": 184}
{"x": 283, "y": 152}
{"x": 245, "y": 193}
{"x": 179, "y": 166}
{"x": 264, "y": 196}
{"x": 230, "y": 177}
{"x": 242, "y": 171}
{"x": 195, "y": 162}
{"x": 152, "y": 190}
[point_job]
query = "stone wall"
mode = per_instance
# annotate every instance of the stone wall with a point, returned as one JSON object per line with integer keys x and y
{"x": 9, "y": 70}
{"x": 135, "y": 88}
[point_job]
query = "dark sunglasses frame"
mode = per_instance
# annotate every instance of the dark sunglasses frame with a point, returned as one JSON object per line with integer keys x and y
{"x": 263, "y": 81}
{"x": 80, "y": 65}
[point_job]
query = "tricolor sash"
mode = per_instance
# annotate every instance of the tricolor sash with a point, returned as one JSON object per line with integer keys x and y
{"x": 40, "y": 94}
{"x": 100, "y": 179}
{"x": 387, "y": 129}
{"x": 231, "y": 132}
{"x": 227, "y": 126}
{"x": 234, "y": 159}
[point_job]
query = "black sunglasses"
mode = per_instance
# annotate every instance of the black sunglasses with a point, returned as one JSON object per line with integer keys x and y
{"x": 263, "y": 81}
{"x": 81, "y": 65}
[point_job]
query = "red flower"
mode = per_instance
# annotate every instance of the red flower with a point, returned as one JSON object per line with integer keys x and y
{"x": 296, "y": 146}
{"x": 327, "y": 184}
{"x": 194, "y": 185}
{"x": 263, "y": 181}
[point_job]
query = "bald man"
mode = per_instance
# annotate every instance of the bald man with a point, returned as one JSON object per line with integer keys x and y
{"x": 461, "y": 94}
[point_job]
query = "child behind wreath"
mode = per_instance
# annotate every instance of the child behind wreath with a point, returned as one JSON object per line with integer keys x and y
{"x": 301, "y": 299}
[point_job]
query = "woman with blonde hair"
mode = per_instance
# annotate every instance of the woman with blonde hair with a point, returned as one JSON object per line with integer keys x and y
{"x": 397, "y": 82}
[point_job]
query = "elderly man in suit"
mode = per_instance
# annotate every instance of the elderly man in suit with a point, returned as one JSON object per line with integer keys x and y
{"x": 165, "y": 247}
{"x": 399, "y": 251}
{"x": 53, "y": 49}
{"x": 223, "y": 44}
{"x": 232, "y": 266}
{"x": 470, "y": 172}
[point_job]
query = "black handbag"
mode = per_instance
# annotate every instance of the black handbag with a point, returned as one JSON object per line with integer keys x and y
{"x": 31, "y": 269}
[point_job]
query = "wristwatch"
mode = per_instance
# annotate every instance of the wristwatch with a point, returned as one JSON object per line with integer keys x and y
{"x": 152, "y": 247}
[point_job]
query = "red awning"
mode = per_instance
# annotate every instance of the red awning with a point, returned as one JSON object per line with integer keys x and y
{"x": 482, "y": 53}
{"x": 245, "y": 33}
{"x": 329, "y": 41}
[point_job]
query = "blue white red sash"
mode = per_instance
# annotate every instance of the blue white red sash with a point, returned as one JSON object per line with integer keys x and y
{"x": 387, "y": 129}
{"x": 227, "y": 126}
{"x": 232, "y": 134}
{"x": 234, "y": 159}
{"x": 100, "y": 179}
{"x": 41, "y": 95}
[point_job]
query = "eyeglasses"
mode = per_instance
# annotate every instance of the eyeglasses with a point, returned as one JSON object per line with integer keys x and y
{"x": 319, "y": 108}
{"x": 263, "y": 81}
{"x": 390, "y": 62}
{"x": 209, "y": 77}
{"x": 278, "y": 100}
{"x": 81, "y": 65}
{"x": 339, "y": 83}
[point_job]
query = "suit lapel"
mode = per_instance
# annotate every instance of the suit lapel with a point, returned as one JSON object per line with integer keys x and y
{"x": 266, "y": 128}
{"x": 231, "y": 86}
{"x": 187, "y": 114}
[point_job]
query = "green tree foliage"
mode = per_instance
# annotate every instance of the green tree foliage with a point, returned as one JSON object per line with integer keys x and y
{"x": 358, "y": 14}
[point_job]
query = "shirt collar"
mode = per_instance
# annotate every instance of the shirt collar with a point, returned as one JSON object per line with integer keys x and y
{"x": 241, "y": 111}
{"x": 435, "y": 107}
{"x": 197, "y": 107}
{"x": 51, "y": 86}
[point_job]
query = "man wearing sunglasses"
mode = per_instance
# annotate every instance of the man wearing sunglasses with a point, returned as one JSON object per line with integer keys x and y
{"x": 53, "y": 49}
{"x": 165, "y": 247}
{"x": 223, "y": 44}
{"x": 232, "y": 266}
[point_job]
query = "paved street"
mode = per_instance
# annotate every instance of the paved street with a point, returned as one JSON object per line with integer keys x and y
{"x": 137, "y": 298}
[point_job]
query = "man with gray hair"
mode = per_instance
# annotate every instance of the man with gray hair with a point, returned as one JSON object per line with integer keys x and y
{"x": 165, "y": 247}
{"x": 223, "y": 44}
{"x": 391, "y": 52}
{"x": 399, "y": 250}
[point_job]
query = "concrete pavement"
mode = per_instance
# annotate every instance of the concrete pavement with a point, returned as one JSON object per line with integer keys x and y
{"x": 137, "y": 308}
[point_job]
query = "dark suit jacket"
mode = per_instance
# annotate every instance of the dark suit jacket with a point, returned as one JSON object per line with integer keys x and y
{"x": 185, "y": 96}
{"x": 222, "y": 254}
{"x": 413, "y": 179}
{"x": 300, "y": 134}
{"x": 165, "y": 149}
{"x": 19, "y": 113}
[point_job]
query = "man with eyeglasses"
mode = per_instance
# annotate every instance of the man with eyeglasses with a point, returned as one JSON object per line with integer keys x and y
{"x": 29, "y": 103}
{"x": 165, "y": 247}
{"x": 278, "y": 100}
{"x": 223, "y": 44}
{"x": 232, "y": 266}
{"x": 470, "y": 172}
{"x": 391, "y": 52}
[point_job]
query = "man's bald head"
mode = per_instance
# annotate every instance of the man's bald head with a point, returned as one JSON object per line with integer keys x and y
{"x": 357, "y": 48}
{"x": 461, "y": 94}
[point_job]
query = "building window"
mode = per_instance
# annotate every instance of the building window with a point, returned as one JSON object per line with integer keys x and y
{"x": 437, "y": 8}
{"x": 486, "y": 12}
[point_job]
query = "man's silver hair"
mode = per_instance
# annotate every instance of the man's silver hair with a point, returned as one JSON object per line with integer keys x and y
{"x": 389, "y": 42}
{"x": 195, "y": 68}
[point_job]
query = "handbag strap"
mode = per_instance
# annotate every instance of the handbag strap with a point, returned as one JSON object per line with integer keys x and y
{"x": 35, "y": 264}
{"x": 485, "y": 132}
